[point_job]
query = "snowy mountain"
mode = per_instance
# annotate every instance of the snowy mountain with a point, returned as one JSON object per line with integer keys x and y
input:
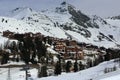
{"x": 67, "y": 22}
{"x": 64, "y": 21}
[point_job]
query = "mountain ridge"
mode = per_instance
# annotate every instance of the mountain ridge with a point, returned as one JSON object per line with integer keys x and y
{"x": 67, "y": 19}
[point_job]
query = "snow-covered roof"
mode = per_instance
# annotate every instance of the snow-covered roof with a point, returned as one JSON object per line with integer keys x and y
{"x": 49, "y": 50}
{"x": 90, "y": 51}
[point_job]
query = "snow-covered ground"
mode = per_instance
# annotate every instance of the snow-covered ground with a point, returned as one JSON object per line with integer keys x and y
{"x": 94, "y": 73}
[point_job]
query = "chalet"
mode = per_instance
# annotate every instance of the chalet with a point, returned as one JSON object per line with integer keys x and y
{"x": 90, "y": 53}
{"x": 19, "y": 36}
{"x": 69, "y": 49}
{"x": 29, "y": 34}
{"x": 74, "y": 52}
{"x": 8, "y": 34}
{"x": 39, "y": 35}
{"x": 60, "y": 46}
{"x": 72, "y": 43}
{"x": 80, "y": 55}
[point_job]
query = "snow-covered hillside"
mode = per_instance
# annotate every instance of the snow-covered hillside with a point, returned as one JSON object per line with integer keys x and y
{"x": 94, "y": 73}
{"x": 27, "y": 21}
{"x": 63, "y": 21}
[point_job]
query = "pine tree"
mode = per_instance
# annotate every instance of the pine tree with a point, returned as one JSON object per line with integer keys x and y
{"x": 75, "y": 67}
{"x": 68, "y": 65}
{"x": 57, "y": 70}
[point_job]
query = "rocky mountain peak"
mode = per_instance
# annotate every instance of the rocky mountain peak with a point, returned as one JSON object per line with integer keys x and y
{"x": 64, "y": 21}
{"x": 116, "y": 17}
{"x": 20, "y": 9}
{"x": 62, "y": 8}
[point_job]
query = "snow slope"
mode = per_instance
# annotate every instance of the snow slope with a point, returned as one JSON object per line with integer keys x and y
{"x": 44, "y": 25}
{"x": 95, "y": 73}
{"x": 109, "y": 76}
{"x": 63, "y": 21}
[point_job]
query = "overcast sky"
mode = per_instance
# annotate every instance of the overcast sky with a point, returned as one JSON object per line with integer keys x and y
{"x": 103, "y": 8}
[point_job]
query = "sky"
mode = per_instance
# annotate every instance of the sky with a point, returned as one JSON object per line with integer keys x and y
{"x": 103, "y": 8}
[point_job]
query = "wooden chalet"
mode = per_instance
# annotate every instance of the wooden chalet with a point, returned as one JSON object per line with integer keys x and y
{"x": 74, "y": 52}
{"x": 8, "y": 34}
{"x": 69, "y": 49}
{"x": 60, "y": 46}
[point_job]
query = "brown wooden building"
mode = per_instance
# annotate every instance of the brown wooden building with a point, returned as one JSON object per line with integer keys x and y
{"x": 69, "y": 50}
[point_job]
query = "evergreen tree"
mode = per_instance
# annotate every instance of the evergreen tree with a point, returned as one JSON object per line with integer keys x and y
{"x": 57, "y": 70}
{"x": 68, "y": 65}
{"x": 5, "y": 57}
{"x": 81, "y": 66}
{"x": 26, "y": 56}
{"x": 75, "y": 67}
